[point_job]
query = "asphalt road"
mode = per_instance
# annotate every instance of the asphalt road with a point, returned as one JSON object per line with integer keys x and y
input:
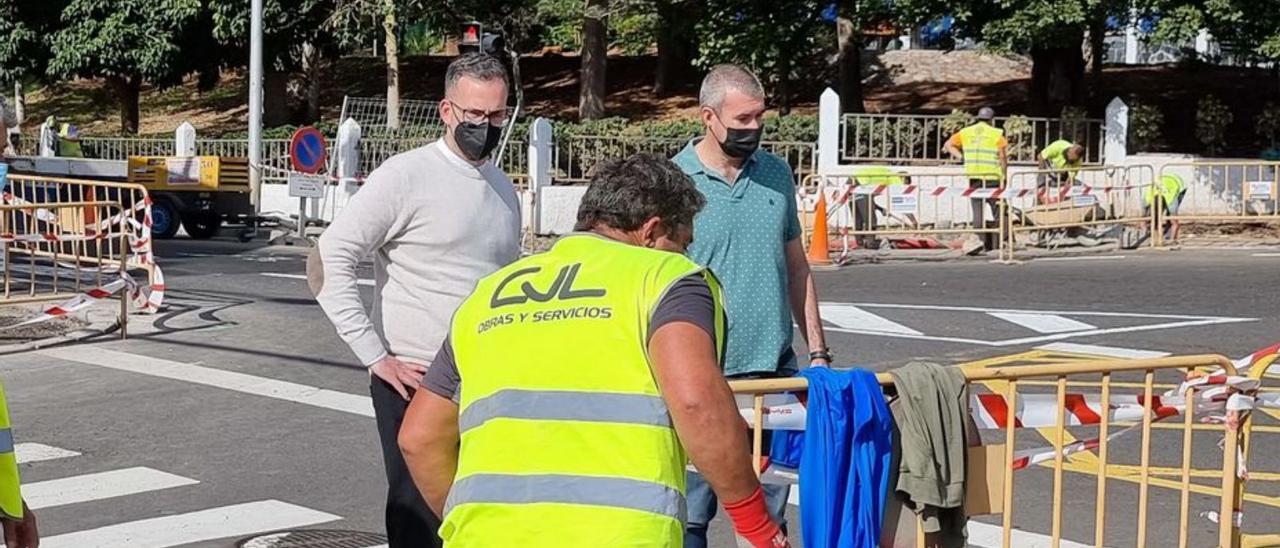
{"x": 237, "y": 411}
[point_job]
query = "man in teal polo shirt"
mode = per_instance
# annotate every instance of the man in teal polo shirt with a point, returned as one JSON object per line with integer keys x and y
{"x": 749, "y": 235}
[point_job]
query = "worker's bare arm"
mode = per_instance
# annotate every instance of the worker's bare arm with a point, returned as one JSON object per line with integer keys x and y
{"x": 702, "y": 408}
{"x": 429, "y": 441}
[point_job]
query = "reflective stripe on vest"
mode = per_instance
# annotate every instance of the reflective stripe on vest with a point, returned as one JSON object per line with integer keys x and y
{"x": 564, "y": 433}
{"x": 10, "y": 495}
{"x": 626, "y": 493}
{"x": 980, "y": 145}
{"x": 566, "y": 405}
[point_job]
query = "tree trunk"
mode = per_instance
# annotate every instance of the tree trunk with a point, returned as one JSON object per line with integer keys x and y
{"x": 1057, "y": 79}
{"x": 594, "y": 50}
{"x": 127, "y": 90}
{"x": 784, "y": 85}
{"x": 849, "y": 63}
{"x": 311, "y": 61}
{"x": 275, "y": 98}
{"x": 1097, "y": 49}
{"x": 674, "y": 49}
{"x": 393, "y": 64}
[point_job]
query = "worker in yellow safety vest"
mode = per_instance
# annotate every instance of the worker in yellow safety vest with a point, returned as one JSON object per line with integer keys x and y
{"x": 865, "y": 209}
{"x": 983, "y": 149}
{"x": 1058, "y": 163}
{"x": 1170, "y": 190}
{"x": 19, "y": 522}
{"x": 576, "y": 384}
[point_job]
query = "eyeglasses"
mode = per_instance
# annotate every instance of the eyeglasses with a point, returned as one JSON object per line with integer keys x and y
{"x": 478, "y": 116}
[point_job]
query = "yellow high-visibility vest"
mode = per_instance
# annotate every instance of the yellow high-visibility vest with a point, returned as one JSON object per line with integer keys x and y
{"x": 10, "y": 495}
{"x": 1169, "y": 187}
{"x": 980, "y": 144}
{"x": 565, "y": 438}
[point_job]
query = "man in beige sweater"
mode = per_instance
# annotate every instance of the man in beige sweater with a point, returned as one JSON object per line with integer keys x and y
{"x": 435, "y": 219}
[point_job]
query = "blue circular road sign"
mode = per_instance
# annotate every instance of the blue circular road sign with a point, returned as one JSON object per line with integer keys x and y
{"x": 308, "y": 150}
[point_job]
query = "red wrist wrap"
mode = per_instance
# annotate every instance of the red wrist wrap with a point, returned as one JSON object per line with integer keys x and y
{"x": 751, "y": 521}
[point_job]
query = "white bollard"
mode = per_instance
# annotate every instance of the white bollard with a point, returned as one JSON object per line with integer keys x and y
{"x": 828, "y": 132}
{"x": 540, "y": 158}
{"x": 1116, "y": 135}
{"x": 184, "y": 140}
{"x": 347, "y": 153}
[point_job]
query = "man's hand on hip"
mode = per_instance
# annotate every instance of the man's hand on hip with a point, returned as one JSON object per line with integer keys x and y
{"x": 401, "y": 375}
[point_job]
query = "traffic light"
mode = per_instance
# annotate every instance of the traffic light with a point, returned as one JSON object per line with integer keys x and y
{"x": 474, "y": 38}
{"x": 471, "y": 37}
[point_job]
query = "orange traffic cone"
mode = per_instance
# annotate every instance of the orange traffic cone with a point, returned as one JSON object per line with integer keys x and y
{"x": 819, "y": 250}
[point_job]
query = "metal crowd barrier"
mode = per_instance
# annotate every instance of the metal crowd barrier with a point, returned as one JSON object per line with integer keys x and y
{"x": 870, "y": 207}
{"x": 1020, "y": 389}
{"x": 60, "y": 250}
{"x": 1222, "y": 192}
{"x": 134, "y": 217}
{"x": 1044, "y": 204}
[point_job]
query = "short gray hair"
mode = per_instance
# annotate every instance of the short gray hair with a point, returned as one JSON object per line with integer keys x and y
{"x": 478, "y": 66}
{"x": 723, "y": 78}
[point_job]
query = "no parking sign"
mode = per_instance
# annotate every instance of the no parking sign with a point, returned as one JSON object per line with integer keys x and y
{"x": 308, "y": 150}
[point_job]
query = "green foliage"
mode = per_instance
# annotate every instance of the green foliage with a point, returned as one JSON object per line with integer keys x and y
{"x": 1146, "y": 127}
{"x": 1250, "y": 25}
{"x": 771, "y": 38}
{"x": 123, "y": 38}
{"x": 873, "y": 137}
{"x": 21, "y": 54}
{"x": 1019, "y": 132}
{"x": 1212, "y": 119}
{"x": 585, "y": 144}
{"x": 1267, "y": 124}
{"x": 632, "y": 24}
{"x": 286, "y": 24}
{"x": 956, "y": 121}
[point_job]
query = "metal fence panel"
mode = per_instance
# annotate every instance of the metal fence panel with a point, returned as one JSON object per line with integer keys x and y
{"x": 921, "y": 138}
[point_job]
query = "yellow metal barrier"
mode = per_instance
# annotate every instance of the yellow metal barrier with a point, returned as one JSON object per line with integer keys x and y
{"x": 1262, "y": 436}
{"x": 134, "y": 201}
{"x": 56, "y": 251}
{"x": 1221, "y": 192}
{"x": 1006, "y": 381}
{"x": 1089, "y": 201}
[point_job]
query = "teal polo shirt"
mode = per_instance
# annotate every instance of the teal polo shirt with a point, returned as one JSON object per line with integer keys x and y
{"x": 741, "y": 236}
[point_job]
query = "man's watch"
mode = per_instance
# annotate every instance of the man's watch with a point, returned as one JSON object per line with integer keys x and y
{"x": 821, "y": 354}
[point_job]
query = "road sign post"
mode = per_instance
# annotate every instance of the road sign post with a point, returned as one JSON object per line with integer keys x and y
{"x": 308, "y": 151}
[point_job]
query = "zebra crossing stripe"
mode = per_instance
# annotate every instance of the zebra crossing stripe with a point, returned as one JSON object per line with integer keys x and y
{"x": 98, "y": 486}
{"x": 38, "y": 452}
{"x": 215, "y": 523}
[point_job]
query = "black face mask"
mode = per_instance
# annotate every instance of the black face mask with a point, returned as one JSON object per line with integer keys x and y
{"x": 476, "y": 141}
{"x": 740, "y": 142}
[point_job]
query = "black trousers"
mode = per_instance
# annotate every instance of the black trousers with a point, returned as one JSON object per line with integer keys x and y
{"x": 410, "y": 524}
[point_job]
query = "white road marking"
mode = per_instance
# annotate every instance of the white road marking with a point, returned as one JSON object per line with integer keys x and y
{"x": 1083, "y": 258}
{"x": 852, "y": 317}
{"x": 215, "y": 523}
{"x": 37, "y": 452}
{"x": 1266, "y": 254}
{"x": 1170, "y": 321}
{"x": 230, "y": 380}
{"x": 991, "y": 536}
{"x": 360, "y": 281}
{"x": 102, "y": 485}
{"x": 1043, "y": 323}
{"x": 1109, "y": 351}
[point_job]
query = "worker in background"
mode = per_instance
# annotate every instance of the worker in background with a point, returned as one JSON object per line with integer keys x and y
{"x": 1063, "y": 158}
{"x": 69, "y": 141}
{"x": 576, "y": 384}
{"x": 1170, "y": 190}
{"x": 18, "y": 521}
{"x": 983, "y": 149}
